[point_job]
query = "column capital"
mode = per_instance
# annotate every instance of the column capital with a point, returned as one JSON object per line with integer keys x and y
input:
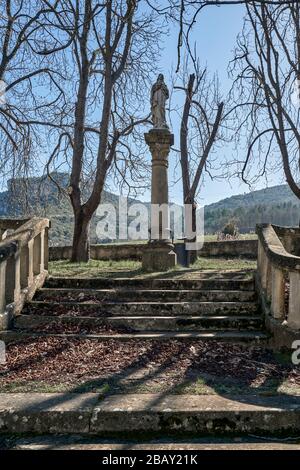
{"x": 159, "y": 142}
{"x": 159, "y": 136}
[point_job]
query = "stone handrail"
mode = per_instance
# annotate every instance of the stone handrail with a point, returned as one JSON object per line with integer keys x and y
{"x": 23, "y": 265}
{"x": 279, "y": 276}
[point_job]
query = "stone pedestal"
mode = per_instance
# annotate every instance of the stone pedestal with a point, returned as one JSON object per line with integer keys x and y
{"x": 159, "y": 254}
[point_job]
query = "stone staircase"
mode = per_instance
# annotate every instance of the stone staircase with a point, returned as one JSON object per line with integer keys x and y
{"x": 215, "y": 306}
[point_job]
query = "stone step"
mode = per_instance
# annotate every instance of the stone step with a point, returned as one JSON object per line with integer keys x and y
{"x": 148, "y": 414}
{"x": 212, "y": 283}
{"x": 83, "y": 442}
{"x": 143, "y": 308}
{"x": 242, "y": 336}
{"x": 123, "y": 295}
{"x": 143, "y": 323}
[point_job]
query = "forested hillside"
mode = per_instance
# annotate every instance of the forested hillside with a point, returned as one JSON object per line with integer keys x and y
{"x": 37, "y": 196}
{"x": 256, "y": 207}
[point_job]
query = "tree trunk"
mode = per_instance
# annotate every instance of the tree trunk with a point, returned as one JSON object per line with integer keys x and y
{"x": 81, "y": 238}
{"x": 192, "y": 255}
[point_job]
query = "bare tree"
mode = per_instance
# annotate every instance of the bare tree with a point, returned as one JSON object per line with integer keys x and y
{"x": 201, "y": 120}
{"x": 266, "y": 91}
{"x": 186, "y": 12}
{"x": 114, "y": 47}
{"x": 27, "y": 73}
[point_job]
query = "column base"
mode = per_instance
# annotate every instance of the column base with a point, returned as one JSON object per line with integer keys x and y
{"x": 159, "y": 257}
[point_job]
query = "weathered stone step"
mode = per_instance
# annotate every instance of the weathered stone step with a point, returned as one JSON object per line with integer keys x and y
{"x": 241, "y": 336}
{"x": 143, "y": 323}
{"x": 212, "y": 283}
{"x": 143, "y": 308}
{"x": 123, "y": 295}
{"x": 171, "y": 443}
{"x": 148, "y": 414}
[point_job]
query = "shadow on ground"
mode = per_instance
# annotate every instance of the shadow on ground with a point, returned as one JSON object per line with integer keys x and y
{"x": 169, "y": 367}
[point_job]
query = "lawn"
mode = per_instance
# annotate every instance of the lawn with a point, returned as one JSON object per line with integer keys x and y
{"x": 242, "y": 236}
{"x": 128, "y": 268}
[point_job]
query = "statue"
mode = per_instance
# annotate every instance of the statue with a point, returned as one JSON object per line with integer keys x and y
{"x": 159, "y": 96}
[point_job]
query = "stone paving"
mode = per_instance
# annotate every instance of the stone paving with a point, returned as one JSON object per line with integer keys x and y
{"x": 148, "y": 414}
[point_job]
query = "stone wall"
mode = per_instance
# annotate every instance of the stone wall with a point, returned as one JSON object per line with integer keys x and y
{"x": 113, "y": 252}
{"x": 230, "y": 248}
{"x": 116, "y": 252}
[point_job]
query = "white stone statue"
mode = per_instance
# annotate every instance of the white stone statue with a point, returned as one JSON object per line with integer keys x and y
{"x": 159, "y": 96}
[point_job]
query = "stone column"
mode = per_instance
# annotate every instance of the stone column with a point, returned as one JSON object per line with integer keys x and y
{"x": 2, "y": 286}
{"x": 24, "y": 262}
{"x": 159, "y": 254}
{"x": 37, "y": 254}
{"x": 46, "y": 248}
{"x": 294, "y": 302}
{"x": 278, "y": 293}
{"x": 11, "y": 280}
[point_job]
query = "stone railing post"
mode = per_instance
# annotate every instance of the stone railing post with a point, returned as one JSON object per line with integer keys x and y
{"x": 294, "y": 303}
{"x": 269, "y": 287}
{"x": 46, "y": 248}
{"x": 17, "y": 277}
{"x": 278, "y": 293}
{"x": 11, "y": 279}
{"x": 24, "y": 261}
{"x": 42, "y": 259}
{"x": 264, "y": 268}
{"x": 259, "y": 258}
{"x": 30, "y": 263}
{"x": 2, "y": 286}
{"x": 37, "y": 254}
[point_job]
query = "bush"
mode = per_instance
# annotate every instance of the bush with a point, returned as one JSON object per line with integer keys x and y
{"x": 230, "y": 231}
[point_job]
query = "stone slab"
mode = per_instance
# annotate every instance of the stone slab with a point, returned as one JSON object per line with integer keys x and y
{"x": 125, "y": 295}
{"x": 253, "y": 337}
{"x": 75, "y": 442}
{"x": 201, "y": 280}
{"x": 160, "y": 414}
{"x": 207, "y": 415}
{"x": 46, "y": 412}
{"x": 152, "y": 308}
{"x": 141, "y": 323}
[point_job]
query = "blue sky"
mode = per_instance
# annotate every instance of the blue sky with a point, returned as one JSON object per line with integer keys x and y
{"x": 215, "y": 35}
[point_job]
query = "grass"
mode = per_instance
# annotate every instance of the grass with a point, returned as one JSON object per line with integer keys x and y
{"x": 129, "y": 268}
{"x": 204, "y": 384}
{"x": 224, "y": 263}
{"x": 242, "y": 236}
{"x": 94, "y": 268}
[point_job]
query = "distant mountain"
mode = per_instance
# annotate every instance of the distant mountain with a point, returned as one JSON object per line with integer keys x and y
{"x": 277, "y": 205}
{"x": 41, "y": 197}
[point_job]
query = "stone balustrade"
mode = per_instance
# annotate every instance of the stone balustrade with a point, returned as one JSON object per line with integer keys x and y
{"x": 279, "y": 274}
{"x": 23, "y": 264}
